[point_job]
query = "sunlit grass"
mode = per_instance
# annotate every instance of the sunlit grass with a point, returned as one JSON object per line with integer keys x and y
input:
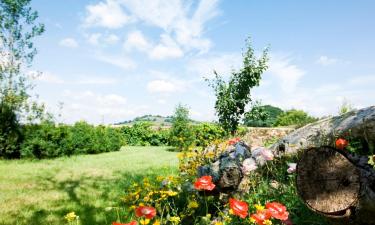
{"x": 43, "y": 191}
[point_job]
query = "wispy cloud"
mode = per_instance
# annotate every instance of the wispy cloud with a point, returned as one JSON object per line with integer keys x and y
{"x": 120, "y": 61}
{"x": 180, "y": 23}
{"x": 326, "y": 61}
{"x": 288, "y": 73}
{"x": 69, "y": 43}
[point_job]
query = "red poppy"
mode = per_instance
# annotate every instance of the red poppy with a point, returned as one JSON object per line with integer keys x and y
{"x": 277, "y": 210}
{"x": 261, "y": 216}
{"x": 233, "y": 141}
{"x": 239, "y": 208}
{"x": 204, "y": 183}
{"x": 131, "y": 223}
{"x": 341, "y": 143}
{"x": 146, "y": 211}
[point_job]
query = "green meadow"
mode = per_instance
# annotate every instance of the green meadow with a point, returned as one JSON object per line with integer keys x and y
{"x": 43, "y": 191}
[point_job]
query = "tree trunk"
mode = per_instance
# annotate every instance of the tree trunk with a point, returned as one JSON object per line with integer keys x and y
{"x": 359, "y": 124}
{"x": 337, "y": 184}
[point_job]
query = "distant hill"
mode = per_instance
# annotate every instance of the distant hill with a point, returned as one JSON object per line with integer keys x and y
{"x": 155, "y": 120}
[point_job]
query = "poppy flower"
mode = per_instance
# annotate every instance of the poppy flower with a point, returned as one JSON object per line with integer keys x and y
{"x": 131, "y": 223}
{"x": 145, "y": 211}
{"x": 261, "y": 216}
{"x": 239, "y": 208}
{"x": 341, "y": 143}
{"x": 204, "y": 183}
{"x": 233, "y": 141}
{"x": 277, "y": 210}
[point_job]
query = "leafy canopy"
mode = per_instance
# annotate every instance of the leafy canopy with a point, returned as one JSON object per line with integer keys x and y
{"x": 18, "y": 29}
{"x": 233, "y": 95}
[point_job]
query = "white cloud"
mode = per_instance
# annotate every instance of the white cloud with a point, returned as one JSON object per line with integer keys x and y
{"x": 108, "y": 14}
{"x": 182, "y": 21}
{"x": 363, "y": 80}
{"x": 96, "y": 107}
{"x": 223, "y": 64}
{"x": 166, "y": 86}
{"x": 288, "y": 73}
{"x": 96, "y": 80}
{"x": 47, "y": 77}
{"x": 69, "y": 43}
{"x": 111, "y": 39}
{"x": 122, "y": 62}
{"x": 326, "y": 61}
{"x": 136, "y": 40}
{"x": 100, "y": 39}
{"x": 167, "y": 48}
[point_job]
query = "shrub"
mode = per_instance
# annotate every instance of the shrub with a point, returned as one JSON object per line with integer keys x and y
{"x": 181, "y": 133}
{"x": 142, "y": 134}
{"x": 294, "y": 117}
{"x": 44, "y": 140}
{"x": 10, "y": 133}
{"x": 206, "y": 133}
{"x": 48, "y": 140}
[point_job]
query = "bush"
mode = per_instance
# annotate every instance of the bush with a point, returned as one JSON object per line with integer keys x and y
{"x": 48, "y": 140}
{"x": 10, "y": 132}
{"x": 142, "y": 134}
{"x": 181, "y": 133}
{"x": 206, "y": 133}
{"x": 294, "y": 117}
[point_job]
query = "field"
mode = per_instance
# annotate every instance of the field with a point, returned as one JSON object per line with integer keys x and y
{"x": 43, "y": 191}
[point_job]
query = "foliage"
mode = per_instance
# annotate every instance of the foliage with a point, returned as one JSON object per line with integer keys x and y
{"x": 206, "y": 133}
{"x": 18, "y": 29}
{"x": 48, "y": 140}
{"x": 262, "y": 116}
{"x": 10, "y": 133}
{"x": 181, "y": 133}
{"x": 345, "y": 107}
{"x": 294, "y": 117}
{"x": 234, "y": 95}
{"x": 187, "y": 199}
{"x": 142, "y": 134}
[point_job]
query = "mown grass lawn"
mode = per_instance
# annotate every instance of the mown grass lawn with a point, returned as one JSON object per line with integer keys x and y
{"x": 41, "y": 192}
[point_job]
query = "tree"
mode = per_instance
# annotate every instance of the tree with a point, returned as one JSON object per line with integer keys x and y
{"x": 262, "y": 116}
{"x": 18, "y": 29}
{"x": 232, "y": 96}
{"x": 17, "y": 26}
{"x": 181, "y": 134}
{"x": 294, "y": 117}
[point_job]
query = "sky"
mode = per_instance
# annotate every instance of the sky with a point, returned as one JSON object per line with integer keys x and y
{"x": 106, "y": 61}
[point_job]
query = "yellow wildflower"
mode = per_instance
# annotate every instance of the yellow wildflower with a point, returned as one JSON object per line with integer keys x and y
{"x": 144, "y": 221}
{"x": 157, "y": 222}
{"x": 193, "y": 205}
{"x": 219, "y": 223}
{"x": 267, "y": 222}
{"x": 175, "y": 219}
{"x": 259, "y": 207}
{"x": 71, "y": 216}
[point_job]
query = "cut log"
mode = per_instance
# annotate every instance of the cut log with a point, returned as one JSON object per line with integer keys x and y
{"x": 358, "y": 124}
{"x": 338, "y": 185}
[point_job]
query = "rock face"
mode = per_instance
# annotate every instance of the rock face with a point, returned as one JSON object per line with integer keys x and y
{"x": 358, "y": 124}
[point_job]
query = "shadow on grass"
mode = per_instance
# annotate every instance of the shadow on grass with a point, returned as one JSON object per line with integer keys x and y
{"x": 87, "y": 197}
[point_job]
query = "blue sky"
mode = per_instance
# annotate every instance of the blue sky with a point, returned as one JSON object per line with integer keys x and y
{"x": 112, "y": 60}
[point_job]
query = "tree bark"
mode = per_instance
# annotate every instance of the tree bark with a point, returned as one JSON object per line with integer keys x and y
{"x": 338, "y": 185}
{"x": 358, "y": 124}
